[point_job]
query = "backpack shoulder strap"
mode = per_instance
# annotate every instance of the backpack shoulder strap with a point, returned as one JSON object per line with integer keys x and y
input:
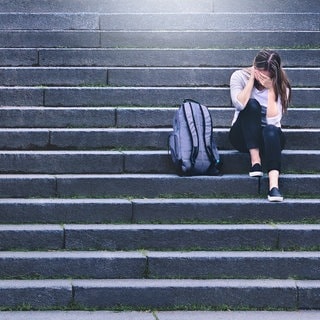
{"x": 187, "y": 108}
{"x": 210, "y": 144}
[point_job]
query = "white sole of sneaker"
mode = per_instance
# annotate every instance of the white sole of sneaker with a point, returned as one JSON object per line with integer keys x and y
{"x": 256, "y": 174}
{"x": 275, "y": 199}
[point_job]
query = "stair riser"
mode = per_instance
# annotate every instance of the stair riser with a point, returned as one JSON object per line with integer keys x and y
{"x": 209, "y": 296}
{"x": 53, "y": 77}
{"x": 105, "y": 211}
{"x": 78, "y": 239}
{"x": 223, "y": 211}
{"x": 222, "y": 21}
{"x": 60, "y": 211}
{"x": 159, "y": 6}
{"x": 75, "y": 237}
{"x": 132, "y": 139}
{"x": 49, "y": 238}
{"x": 45, "y": 117}
{"x": 108, "y": 6}
{"x": 145, "y": 77}
{"x": 160, "y": 294}
{"x": 154, "y": 39}
{"x": 118, "y": 162}
{"x": 160, "y": 22}
{"x": 163, "y": 267}
{"x": 19, "y": 57}
{"x": 77, "y": 268}
{"x": 197, "y": 77}
{"x": 42, "y": 117}
{"x": 51, "y": 294}
{"x": 153, "y": 57}
{"x": 150, "y": 186}
{"x": 142, "y": 96}
{"x": 235, "y": 268}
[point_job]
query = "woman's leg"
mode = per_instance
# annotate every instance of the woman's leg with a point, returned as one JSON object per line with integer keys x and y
{"x": 274, "y": 141}
{"x": 245, "y": 134}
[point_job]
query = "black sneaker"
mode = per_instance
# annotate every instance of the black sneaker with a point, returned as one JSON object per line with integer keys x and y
{"x": 256, "y": 171}
{"x": 274, "y": 195}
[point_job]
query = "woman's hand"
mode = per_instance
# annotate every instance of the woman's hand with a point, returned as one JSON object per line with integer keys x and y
{"x": 263, "y": 79}
{"x": 251, "y": 73}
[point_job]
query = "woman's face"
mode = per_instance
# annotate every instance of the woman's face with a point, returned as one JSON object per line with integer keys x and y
{"x": 263, "y": 77}
{"x": 263, "y": 72}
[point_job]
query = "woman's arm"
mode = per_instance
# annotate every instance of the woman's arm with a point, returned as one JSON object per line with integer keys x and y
{"x": 244, "y": 96}
{"x": 241, "y": 85}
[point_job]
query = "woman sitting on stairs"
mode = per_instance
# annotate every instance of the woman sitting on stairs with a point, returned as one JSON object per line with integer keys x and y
{"x": 260, "y": 95}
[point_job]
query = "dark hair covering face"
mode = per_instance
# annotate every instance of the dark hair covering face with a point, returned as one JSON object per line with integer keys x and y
{"x": 270, "y": 60}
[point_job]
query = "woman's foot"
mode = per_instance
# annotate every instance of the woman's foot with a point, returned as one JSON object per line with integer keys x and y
{"x": 256, "y": 170}
{"x": 274, "y": 195}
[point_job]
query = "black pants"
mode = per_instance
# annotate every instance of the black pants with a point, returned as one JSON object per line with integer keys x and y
{"x": 249, "y": 132}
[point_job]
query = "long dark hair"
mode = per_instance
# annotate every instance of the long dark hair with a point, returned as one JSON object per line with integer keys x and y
{"x": 270, "y": 61}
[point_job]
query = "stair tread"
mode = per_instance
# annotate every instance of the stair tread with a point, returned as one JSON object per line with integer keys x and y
{"x": 164, "y": 315}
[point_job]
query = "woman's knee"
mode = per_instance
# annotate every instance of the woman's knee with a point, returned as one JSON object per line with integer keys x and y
{"x": 270, "y": 130}
{"x": 253, "y": 107}
{"x": 274, "y": 135}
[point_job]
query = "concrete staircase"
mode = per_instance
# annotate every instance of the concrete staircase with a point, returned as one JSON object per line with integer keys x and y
{"x": 92, "y": 214}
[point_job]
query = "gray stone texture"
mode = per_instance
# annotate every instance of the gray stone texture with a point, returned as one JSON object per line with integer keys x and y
{"x": 38, "y": 294}
{"x": 175, "y": 237}
{"x": 92, "y": 213}
{"x": 31, "y": 237}
{"x": 223, "y": 210}
{"x": 168, "y": 57}
{"x": 60, "y": 211}
{"x": 82, "y": 265}
{"x": 168, "y": 293}
{"x": 163, "y": 315}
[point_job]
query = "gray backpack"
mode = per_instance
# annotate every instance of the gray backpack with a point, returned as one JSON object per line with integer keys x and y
{"x": 191, "y": 144}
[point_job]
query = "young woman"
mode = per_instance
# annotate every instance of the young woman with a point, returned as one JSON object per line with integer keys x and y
{"x": 260, "y": 95}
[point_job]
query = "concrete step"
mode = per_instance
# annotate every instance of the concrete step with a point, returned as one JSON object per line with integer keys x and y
{"x": 93, "y": 162}
{"x": 141, "y": 211}
{"x": 163, "y": 315}
{"x": 239, "y": 237}
{"x": 108, "y": 6}
{"x": 60, "y": 211}
{"x": 19, "y": 57}
{"x": 136, "y": 96}
{"x": 49, "y": 21}
{"x": 233, "y": 265}
{"x": 137, "y": 77}
{"x": 122, "y": 117}
{"x": 151, "y": 186}
{"x": 189, "y": 210}
{"x": 153, "y": 57}
{"x": 178, "y": 6}
{"x": 127, "y": 138}
{"x": 43, "y": 76}
{"x": 59, "y": 117}
{"x": 149, "y": 57}
{"x": 31, "y": 237}
{"x": 188, "y": 237}
{"x": 82, "y": 265}
{"x": 196, "y": 76}
{"x": 204, "y": 39}
{"x": 161, "y": 294}
{"x": 160, "y": 21}
{"x": 212, "y": 21}
{"x": 159, "y": 265}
